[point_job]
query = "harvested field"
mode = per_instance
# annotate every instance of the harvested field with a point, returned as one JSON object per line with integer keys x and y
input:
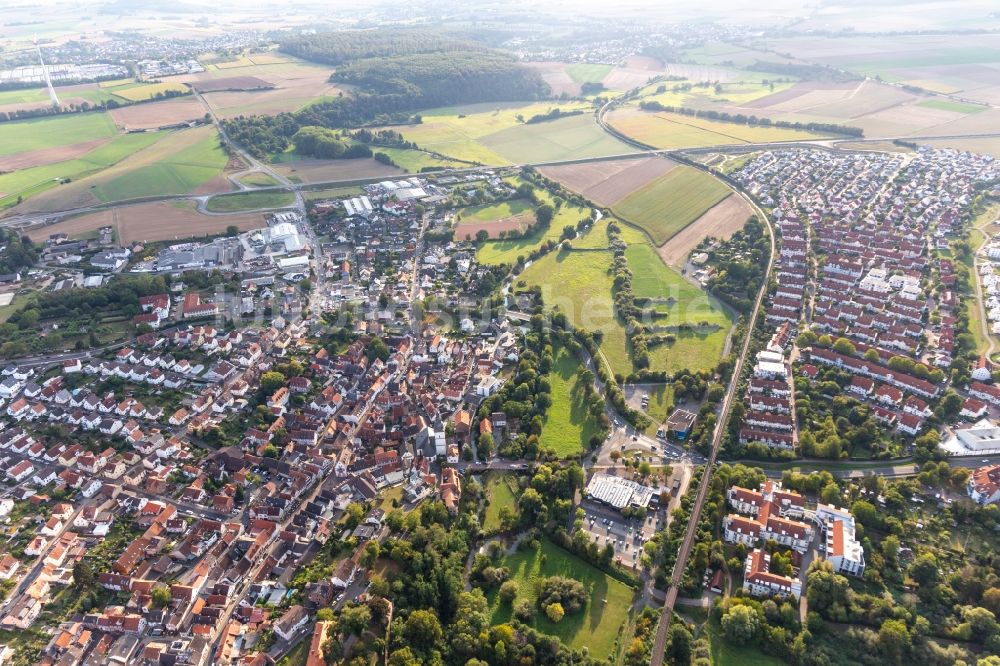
{"x": 307, "y": 170}
{"x": 232, "y": 83}
{"x": 152, "y": 115}
{"x": 151, "y": 222}
{"x": 52, "y": 155}
{"x": 720, "y": 221}
{"x": 607, "y": 183}
{"x": 975, "y": 144}
{"x": 626, "y": 78}
{"x": 555, "y": 74}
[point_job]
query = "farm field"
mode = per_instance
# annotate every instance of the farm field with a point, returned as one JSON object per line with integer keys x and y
{"x": 587, "y": 72}
{"x": 309, "y": 170}
{"x": 567, "y": 428}
{"x": 150, "y": 222}
{"x": 28, "y": 182}
{"x": 40, "y": 133}
{"x": 596, "y": 626}
{"x": 138, "y": 92}
{"x": 720, "y": 221}
{"x": 153, "y": 115}
{"x": 238, "y": 91}
{"x": 333, "y": 193}
{"x": 607, "y": 183}
{"x": 734, "y": 93}
{"x": 492, "y": 134}
{"x": 579, "y": 284}
{"x": 241, "y": 201}
{"x": 682, "y": 303}
{"x": 985, "y": 145}
{"x": 512, "y": 215}
{"x": 507, "y": 251}
{"x": 36, "y": 98}
{"x": 181, "y": 162}
{"x": 949, "y": 105}
{"x": 499, "y": 489}
{"x": 672, "y": 130}
{"x": 673, "y": 201}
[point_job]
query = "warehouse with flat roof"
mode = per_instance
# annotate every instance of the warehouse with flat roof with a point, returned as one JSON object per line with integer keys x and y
{"x": 620, "y": 493}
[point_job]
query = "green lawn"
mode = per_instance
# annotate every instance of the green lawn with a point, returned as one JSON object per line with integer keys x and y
{"x": 949, "y": 105}
{"x": 597, "y": 625}
{"x": 671, "y": 202}
{"x": 29, "y": 182}
{"x": 583, "y": 72}
{"x": 661, "y": 397}
{"x": 678, "y": 302}
{"x": 567, "y": 427}
{"x": 499, "y": 490}
{"x": 231, "y": 203}
{"x": 63, "y": 130}
{"x": 579, "y": 284}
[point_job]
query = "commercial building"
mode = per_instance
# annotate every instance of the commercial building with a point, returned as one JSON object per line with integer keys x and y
{"x": 620, "y": 493}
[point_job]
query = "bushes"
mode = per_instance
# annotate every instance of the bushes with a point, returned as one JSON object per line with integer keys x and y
{"x": 568, "y": 593}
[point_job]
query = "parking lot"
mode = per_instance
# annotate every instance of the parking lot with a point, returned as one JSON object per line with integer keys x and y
{"x": 606, "y": 526}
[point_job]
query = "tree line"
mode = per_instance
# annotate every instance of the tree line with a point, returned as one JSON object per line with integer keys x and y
{"x": 743, "y": 119}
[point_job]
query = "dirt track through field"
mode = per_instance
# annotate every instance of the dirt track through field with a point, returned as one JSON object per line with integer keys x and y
{"x": 720, "y": 221}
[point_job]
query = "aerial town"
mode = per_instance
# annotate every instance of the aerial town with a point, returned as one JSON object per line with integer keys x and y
{"x": 499, "y": 337}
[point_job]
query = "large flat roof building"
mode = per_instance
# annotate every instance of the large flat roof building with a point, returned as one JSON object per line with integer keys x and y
{"x": 618, "y": 492}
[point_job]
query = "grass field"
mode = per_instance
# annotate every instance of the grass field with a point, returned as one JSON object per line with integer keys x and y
{"x": 512, "y": 215}
{"x": 567, "y": 427}
{"x": 949, "y": 105}
{"x": 582, "y": 72}
{"x": 500, "y": 491}
{"x": 140, "y": 92}
{"x": 239, "y": 201}
{"x": 179, "y": 172}
{"x": 671, "y": 202}
{"x": 413, "y": 161}
{"x": 333, "y": 193}
{"x": 507, "y": 251}
{"x": 258, "y": 179}
{"x": 496, "y": 211}
{"x": 26, "y": 183}
{"x": 494, "y": 134}
{"x": 38, "y": 96}
{"x": 579, "y": 283}
{"x": 597, "y": 625}
{"x": 683, "y": 303}
{"x": 39, "y": 133}
{"x": 672, "y": 130}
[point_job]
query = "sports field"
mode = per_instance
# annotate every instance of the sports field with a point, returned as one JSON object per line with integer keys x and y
{"x": 671, "y": 202}
{"x": 496, "y": 134}
{"x": 240, "y": 201}
{"x": 567, "y": 426}
{"x": 596, "y": 625}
